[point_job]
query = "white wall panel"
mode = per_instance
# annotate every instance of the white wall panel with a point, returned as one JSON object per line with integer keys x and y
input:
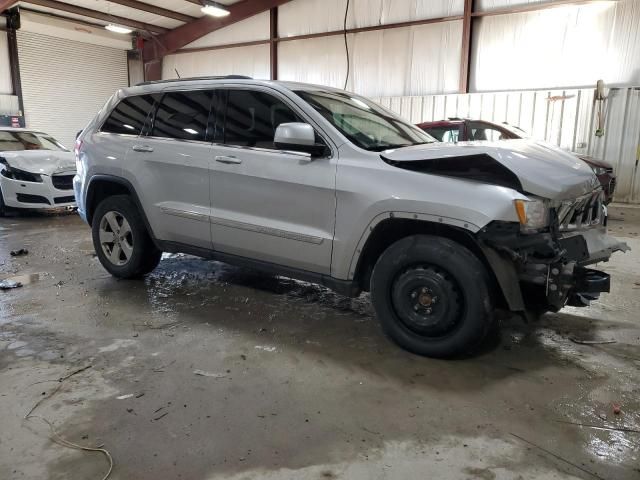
{"x": 397, "y": 61}
{"x": 572, "y": 45}
{"x": 301, "y": 17}
{"x": 488, "y": 5}
{"x": 5, "y": 70}
{"x": 252, "y": 61}
{"x": 253, "y": 28}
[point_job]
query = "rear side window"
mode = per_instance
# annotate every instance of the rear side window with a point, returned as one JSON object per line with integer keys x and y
{"x": 252, "y": 118}
{"x": 484, "y": 131}
{"x": 183, "y": 115}
{"x": 445, "y": 134}
{"x": 129, "y": 116}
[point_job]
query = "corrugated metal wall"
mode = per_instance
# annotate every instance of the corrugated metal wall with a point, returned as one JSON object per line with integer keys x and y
{"x": 65, "y": 83}
{"x": 5, "y": 71}
{"x": 566, "y": 118}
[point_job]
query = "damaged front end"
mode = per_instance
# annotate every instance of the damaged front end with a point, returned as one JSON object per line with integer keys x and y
{"x": 541, "y": 263}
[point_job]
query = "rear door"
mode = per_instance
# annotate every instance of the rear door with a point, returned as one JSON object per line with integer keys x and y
{"x": 170, "y": 163}
{"x": 268, "y": 204}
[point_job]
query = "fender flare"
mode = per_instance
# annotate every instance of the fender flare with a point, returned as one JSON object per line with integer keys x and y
{"x": 134, "y": 195}
{"x": 454, "y": 222}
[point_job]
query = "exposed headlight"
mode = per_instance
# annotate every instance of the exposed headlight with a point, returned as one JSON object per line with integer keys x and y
{"x": 599, "y": 170}
{"x": 20, "y": 175}
{"x": 533, "y": 214}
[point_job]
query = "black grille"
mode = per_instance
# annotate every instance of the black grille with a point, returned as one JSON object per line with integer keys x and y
{"x": 62, "y": 182}
{"x": 68, "y": 199}
{"x": 582, "y": 212}
{"x": 26, "y": 198}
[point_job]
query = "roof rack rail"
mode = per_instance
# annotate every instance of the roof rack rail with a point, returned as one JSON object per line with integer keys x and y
{"x": 187, "y": 79}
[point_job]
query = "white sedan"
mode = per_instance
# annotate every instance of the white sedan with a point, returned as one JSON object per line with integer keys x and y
{"x": 36, "y": 171}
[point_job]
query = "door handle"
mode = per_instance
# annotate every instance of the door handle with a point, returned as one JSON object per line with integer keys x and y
{"x": 143, "y": 148}
{"x": 228, "y": 159}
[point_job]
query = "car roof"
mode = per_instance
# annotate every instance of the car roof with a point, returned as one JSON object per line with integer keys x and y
{"x": 158, "y": 85}
{"x": 441, "y": 123}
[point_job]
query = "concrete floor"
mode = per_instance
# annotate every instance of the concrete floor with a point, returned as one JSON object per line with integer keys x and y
{"x": 295, "y": 381}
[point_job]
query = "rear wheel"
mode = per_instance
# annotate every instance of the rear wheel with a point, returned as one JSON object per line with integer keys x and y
{"x": 431, "y": 296}
{"x": 121, "y": 240}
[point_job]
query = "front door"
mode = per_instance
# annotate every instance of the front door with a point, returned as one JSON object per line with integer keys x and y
{"x": 267, "y": 204}
{"x": 172, "y": 167}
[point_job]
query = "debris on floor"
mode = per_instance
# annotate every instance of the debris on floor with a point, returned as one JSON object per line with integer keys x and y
{"x": 591, "y": 342}
{"x": 9, "y": 284}
{"x": 19, "y": 252}
{"x": 203, "y": 373}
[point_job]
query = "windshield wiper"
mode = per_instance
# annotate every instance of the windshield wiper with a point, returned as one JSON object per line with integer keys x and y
{"x": 380, "y": 148}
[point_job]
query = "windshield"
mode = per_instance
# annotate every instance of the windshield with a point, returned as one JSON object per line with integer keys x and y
{"x": 14, "y": 141}
{"x": 366, "y": 124}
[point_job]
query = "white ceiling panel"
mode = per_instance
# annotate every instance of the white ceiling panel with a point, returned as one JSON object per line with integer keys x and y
{"x": 117, "y": 10}
{"x": 70, "y": 16}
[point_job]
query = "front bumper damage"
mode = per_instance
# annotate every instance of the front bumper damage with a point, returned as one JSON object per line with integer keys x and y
{"x": 548, "y": 270}
{"x": 53, "y": 191}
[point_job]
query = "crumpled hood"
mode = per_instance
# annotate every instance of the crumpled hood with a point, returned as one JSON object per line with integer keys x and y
{"x": 543, "y": 170}
{"x": 45, "y": 162}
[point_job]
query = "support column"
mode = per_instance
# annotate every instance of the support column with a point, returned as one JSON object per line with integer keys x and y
{"x": 273, "y": 45}
{"x": 465, "y": 59}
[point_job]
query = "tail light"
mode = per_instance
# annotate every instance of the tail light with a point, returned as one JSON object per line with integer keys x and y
{"x": 76, "y": 150}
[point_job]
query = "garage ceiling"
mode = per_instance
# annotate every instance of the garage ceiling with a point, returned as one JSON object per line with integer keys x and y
{"x": 146, "y": 16}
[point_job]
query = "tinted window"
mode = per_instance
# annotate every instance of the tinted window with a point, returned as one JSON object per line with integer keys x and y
{"x": 129, "y": 116}
{"x": 252, "y": 118}
{"x": 183, "y": 115}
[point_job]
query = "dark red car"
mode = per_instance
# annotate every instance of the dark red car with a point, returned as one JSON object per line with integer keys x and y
{"x": 462, "y": 130}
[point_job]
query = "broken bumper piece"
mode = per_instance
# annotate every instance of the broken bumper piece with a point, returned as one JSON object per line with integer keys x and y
{"x": 551, "y": 266}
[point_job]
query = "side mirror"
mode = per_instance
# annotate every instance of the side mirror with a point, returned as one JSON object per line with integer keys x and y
{"x": 298, "y": 137}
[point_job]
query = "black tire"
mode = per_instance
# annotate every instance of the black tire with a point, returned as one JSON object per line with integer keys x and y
{"x": 144, "y": 256}
{"x": 431, "y": 296}
{"x": 3, "y": 207}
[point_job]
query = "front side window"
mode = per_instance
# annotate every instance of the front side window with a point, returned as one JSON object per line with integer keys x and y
{"x": 13, "y": 141}
{"x": 129, "y": 116}
{"x": 183, "y": 115}
{"x": 252, "y": 118}
{"x": 363, "y": 122}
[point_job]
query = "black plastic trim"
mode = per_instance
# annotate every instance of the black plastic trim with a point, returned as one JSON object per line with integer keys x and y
{"x": 28, "y": 198}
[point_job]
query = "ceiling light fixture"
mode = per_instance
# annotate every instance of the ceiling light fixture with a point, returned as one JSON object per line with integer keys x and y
{"x": 117, "y": 28}
{"x": 214, "y": 9}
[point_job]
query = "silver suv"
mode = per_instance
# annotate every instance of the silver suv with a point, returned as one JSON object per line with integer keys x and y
{"x": 325, "y": 186}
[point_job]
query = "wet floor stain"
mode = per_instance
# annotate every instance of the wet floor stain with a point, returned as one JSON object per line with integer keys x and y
{"x": 298, "y": 381}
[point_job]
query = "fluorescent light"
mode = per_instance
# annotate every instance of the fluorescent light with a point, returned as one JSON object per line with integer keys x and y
{"x": 215, "y": 10}
{"x": 117, "y": 28}
{"x": 128, "y": 126}
{"x": 191, "y": 131}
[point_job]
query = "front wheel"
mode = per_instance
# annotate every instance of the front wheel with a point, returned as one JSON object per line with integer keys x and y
{"x": 431, "y": 296}
{"x": 3, "y": 207}
{"x": 121, "y": 240}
